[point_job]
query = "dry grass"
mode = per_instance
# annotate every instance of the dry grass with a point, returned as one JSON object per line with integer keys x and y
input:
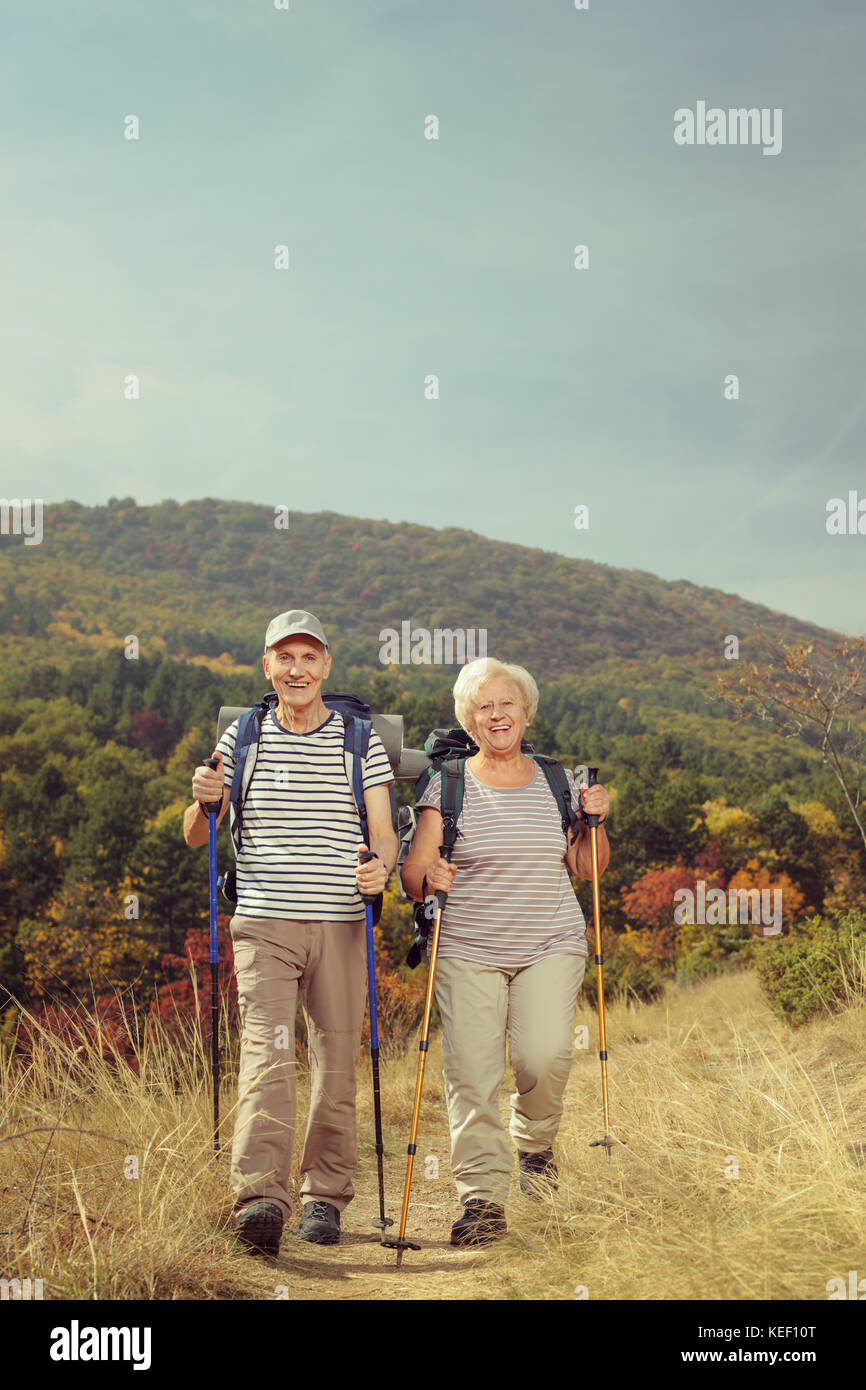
{"x": 703, "y": 1085}
{"x": 704, "y": 1077}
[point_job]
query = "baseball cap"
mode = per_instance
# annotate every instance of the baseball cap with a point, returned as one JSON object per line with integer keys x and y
{"x": 295, "y": 622}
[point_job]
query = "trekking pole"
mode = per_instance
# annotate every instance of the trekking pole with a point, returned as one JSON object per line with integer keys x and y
{"x": 399, "y": 1242}
{"x": 213, "y": 808}
{"x": 382, "y": 1221}
{"x": 606, "y": 1142}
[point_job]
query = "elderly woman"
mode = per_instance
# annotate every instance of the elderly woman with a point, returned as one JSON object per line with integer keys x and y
{"x": 512, "y": 947}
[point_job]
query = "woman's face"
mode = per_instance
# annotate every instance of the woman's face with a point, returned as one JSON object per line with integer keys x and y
{"x": 500, "y": 717}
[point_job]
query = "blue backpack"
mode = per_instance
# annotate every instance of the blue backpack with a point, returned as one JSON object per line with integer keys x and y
{"x": 358, "y": 720}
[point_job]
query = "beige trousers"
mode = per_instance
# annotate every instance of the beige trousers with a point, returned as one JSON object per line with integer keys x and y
{"x": 479, "y": 1005}
{"x": 276, "y": 961}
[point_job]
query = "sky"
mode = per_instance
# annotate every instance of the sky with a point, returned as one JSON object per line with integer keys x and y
{"x": 431, "y": 353}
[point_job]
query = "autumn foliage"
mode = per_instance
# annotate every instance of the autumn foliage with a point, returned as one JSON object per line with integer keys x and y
{"x": 188, "y": 991}
{"x": 107, "y": 1028}
{"x": 80, "y": 941}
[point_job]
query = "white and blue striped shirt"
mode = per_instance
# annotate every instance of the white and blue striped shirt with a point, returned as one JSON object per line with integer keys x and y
{"x": 301, "y": 828}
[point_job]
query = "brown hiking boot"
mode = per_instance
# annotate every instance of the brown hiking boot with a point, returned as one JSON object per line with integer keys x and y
{"x": 481, "y": 1223}
{"x": 538, "y": 1173}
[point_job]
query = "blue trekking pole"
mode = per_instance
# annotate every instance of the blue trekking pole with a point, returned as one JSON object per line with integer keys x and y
{"x": 382, "y": 1221}
{"x": 213, "y": 808}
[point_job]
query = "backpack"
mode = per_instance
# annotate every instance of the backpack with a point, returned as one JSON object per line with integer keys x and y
{"x": 358, "y": 721}
{"x": 448, "y": 750}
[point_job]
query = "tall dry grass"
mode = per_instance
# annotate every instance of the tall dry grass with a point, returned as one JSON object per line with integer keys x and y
{"x": 740, "y": 1176}
{"x": 743, "y": 1173}
{"x": 108, "y": 1184}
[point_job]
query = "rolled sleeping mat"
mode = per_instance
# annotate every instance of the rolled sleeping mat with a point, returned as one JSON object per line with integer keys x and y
{"x": 389, "y": 727}
{"x": 228, "y": 715}
{"x": 412, "y": 763}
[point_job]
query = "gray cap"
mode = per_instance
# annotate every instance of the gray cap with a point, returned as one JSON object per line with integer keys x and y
{"x": 294, "y": 623}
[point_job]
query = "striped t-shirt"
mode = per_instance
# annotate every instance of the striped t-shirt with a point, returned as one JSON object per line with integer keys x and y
{"x": 301, "y": 829}
{"x": 512, "y": 902}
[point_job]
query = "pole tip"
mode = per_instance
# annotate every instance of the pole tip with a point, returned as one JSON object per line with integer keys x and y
{"x": 606, "y": 1143}
{"x": 399, "y": 1243}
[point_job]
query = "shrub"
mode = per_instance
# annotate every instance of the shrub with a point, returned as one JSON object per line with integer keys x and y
{"x": 633, "y": 967}
{"x": 395, "y": 928}
{"x": 705, "y": 950}
{"x": 820, "y": 967}
{"x": 107, "y": 1029}
{"x": 399, "y": 1000}
{"x": 187, "y": 995}
{"x": 81, "y": 936}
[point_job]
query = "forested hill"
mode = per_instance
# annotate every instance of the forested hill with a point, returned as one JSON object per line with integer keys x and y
{"x": 199, "y": 581}
{"x": 97, "y": 750}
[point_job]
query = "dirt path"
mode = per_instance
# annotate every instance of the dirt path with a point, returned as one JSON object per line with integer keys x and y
{"x": 361, "y": 1268}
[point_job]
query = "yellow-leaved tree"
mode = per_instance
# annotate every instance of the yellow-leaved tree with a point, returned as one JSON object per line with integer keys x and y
{"x": 82, "y": 936}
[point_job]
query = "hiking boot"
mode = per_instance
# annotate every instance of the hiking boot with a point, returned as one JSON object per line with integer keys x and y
{"x": 481, "y": 1223}
{"x": 320, "y": 1224}
{"x": 538, "y": 1173}
{"x": 259, "y": 1225}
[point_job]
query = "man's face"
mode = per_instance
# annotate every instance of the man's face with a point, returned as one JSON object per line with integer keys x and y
{"x": 296, "y": 668}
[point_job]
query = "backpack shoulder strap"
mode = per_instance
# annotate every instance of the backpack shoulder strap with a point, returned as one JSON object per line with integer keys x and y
{"x": 451, "y": 798}
{"x": 356, "y": 742}
{"x": 450, "y": 805}
{"x": 246, "y": 746}
{"x": 559, "y": 786}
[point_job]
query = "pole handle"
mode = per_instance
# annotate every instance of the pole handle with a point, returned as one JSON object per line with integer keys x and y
{"x": 445, "y": 852}
{"x": 591, "y": 780}
{"x": 211, "y": 807}
{"x": 364, "y": 858}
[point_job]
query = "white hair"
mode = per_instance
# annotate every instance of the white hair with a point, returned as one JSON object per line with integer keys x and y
{"x": 476, "y": 674}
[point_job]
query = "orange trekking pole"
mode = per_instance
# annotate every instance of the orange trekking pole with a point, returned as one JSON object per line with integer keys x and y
{"x": 399, "y": 1242}
{"x": 592, "y": 821}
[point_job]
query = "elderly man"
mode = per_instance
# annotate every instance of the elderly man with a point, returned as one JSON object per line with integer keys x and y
{"x": 298, "y": 927}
